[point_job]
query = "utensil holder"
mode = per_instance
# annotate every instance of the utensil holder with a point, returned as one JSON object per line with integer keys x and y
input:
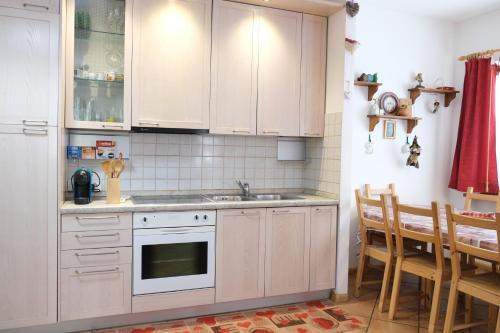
{"x": 113, "y": 191}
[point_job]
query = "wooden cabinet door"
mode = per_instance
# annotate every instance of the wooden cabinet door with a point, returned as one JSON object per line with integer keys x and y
{"x": 28, "y": 219}
{"x": 233, "y": 104}
{"x": 323, "y": 247}
{"x": 279, "y": 72}
{"x": 171, "y": 63}
{"x": 98, "y": 291}
{"x": 29, "y": 71}
{"x": 287, "y": 250}
{"x": 240, "y": 254}
{"x": 43, "y": 6}
{"x": 313, "y": 76}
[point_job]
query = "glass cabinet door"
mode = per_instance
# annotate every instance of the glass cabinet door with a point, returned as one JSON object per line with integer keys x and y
{"x": 97, "y": 84}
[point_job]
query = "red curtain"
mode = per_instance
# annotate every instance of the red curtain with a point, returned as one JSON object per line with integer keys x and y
{"x": 475, "y": 162}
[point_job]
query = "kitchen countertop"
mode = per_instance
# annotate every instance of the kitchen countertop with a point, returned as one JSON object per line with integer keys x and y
{"x": 100, "y": 205}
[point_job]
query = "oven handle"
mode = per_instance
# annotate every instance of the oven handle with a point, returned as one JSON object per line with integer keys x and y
{"x": 174, "y": 231}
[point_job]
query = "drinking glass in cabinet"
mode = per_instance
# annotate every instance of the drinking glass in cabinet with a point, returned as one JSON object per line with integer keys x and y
{"x": 99, "y": 47}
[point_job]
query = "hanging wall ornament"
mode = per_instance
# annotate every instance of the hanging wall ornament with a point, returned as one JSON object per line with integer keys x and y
{"x": 352, "y": 8}
{"x": 414, "y": 154}
{"x": 369, "y": 147}
{"x": 405, "y": 149}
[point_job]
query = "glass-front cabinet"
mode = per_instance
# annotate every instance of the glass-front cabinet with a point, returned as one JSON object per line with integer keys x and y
{"x": 98, "y": 64}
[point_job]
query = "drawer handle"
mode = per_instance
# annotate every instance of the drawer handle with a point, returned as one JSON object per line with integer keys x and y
{"x": 34, "y": 131}
{"x": 96, "y": 254}
{"x": 116, "y": 269}
{"x": 36, "y": 6}
{"x": 117, "y": 217}
{"x": 27, "y": 122}
{"x": 249, "y": 214}
{"x": 326, "y": 210}
{"x": 281, "y": 211}
{"x": 101, "y": 235}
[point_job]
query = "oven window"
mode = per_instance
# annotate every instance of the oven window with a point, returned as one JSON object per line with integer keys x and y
{"x": 169, "y": 260}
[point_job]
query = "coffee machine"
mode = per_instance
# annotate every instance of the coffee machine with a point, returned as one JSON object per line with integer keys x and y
{"x": 83, "y": 187}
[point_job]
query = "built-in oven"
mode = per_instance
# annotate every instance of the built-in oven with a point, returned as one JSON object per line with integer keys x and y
{"x": 173, "y": 251}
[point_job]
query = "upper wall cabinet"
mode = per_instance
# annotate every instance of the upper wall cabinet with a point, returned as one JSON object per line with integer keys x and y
{"x": 279, "y": 72}
{"x": 44, "y": 6}
{"x": 233, "y": 105}
{"x": 98, "y": 64}
{"x": 29, "y": 70}
{"x": 171, "y": 63}
{"x": 313, "y": 76}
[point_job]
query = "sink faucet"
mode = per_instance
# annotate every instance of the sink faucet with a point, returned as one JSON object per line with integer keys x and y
{"x": 244, "y": 187}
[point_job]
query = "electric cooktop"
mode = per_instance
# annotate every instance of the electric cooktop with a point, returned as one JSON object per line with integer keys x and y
{"x": 169, "y": 199}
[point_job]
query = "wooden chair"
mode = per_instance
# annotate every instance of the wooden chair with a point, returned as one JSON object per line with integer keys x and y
{"x": 485, "y": 286}
{"x": 380, "y": 252}
{"x": 429, "y": 266}
{"x": 471, "y": 196}
{"x": 371, "y": 192}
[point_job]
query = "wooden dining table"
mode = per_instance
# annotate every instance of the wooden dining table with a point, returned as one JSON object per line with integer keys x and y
{"x": 482, "y": 238}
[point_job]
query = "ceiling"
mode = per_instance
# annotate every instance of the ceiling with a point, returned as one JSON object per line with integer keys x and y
{"x": 451, "y": 10}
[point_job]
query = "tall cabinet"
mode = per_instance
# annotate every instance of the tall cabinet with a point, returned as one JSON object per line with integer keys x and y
{"x": 28, "y": 146}
{"x": 171, "y": 63}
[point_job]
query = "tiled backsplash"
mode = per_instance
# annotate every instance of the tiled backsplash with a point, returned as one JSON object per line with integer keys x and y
{"x": 184, "y": 162}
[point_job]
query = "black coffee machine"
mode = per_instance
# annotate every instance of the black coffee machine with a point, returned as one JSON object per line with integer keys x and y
{"x": 83, "y": 187}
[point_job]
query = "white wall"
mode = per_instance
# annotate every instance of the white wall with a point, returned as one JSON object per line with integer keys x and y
{"x": 396, "y": 46}
{"x": 473, "y": 35}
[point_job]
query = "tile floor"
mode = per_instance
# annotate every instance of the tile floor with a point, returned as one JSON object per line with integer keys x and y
{"x": 356, "y": 315}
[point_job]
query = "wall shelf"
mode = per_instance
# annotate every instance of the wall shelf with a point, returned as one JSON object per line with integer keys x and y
{"x": 372, "y": 87}
{"x": 449, "y": 95}
{"x": 411, "y": 122}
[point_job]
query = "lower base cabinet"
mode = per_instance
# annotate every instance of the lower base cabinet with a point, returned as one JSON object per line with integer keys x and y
{"x": 95, "y": 291}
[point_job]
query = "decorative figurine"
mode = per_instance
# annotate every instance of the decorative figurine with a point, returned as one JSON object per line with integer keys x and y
{"x": 436, "y": 107}
{"x": 363, "y": 78}
{"x": 374, "y": 108}
{"x": 352, "y": 8}
{"x": 414, "y": 154}
{"x": 420, "y": 80}
{"x": 369, "y": 145}
{"x": 405, "y": 149}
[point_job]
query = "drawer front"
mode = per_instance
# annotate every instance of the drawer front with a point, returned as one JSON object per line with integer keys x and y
{"x": 43, "y": 6}
{"x": 86, "y": 222}
{"x": 95, "y": 291}
{"x": 173, "y": 300}
{"x": 95, "y": 239}
{"x": 96, "y": 257}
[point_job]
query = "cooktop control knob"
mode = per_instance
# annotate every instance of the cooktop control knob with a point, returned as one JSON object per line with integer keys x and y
{"x": 144, "y": 220}
{"x": 205, "y": 217}
{"x": 196, "y": 217}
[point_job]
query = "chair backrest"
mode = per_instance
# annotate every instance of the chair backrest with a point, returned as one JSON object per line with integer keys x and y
{"x": 470, "y": 195}
{"x": 366, "y": 222}
{"x": 435, "y": 238}
{"x": 371, "y": 192}
{"x": 457, "y": 246}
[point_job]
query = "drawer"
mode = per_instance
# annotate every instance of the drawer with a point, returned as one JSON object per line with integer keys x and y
{"x": 85, "y": 222}
{"x": 178, "y": 299}
{"x": 95, "y": 239}
{"x": 96, "y": 257}
{"x": 95, "y": 291}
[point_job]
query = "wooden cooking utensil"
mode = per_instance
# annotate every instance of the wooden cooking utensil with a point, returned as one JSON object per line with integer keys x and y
{"x": 107, "y": 167}
{"x": 119, "y": 167}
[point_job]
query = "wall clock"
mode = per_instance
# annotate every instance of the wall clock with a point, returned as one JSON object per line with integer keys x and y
{"x": 389, "y": 102}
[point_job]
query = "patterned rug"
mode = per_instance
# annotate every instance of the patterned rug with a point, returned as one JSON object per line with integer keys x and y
{"x": 315, "y": 316}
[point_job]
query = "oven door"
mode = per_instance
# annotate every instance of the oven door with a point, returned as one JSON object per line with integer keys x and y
{"x": 172, "y": 259}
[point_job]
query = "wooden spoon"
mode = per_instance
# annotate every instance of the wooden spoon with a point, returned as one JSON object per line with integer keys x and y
{"x": 119, "y": 166}
{"x": 107, "y": 167}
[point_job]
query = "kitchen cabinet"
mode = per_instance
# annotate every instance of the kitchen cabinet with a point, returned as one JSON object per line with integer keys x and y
{"x": 171, "y": 63}
{"x": 98, "y": 64}
{"x": 29, "y": 71}
{"x": 313, "y": 76}
{"x": 323, "y": 247}
{"x": 95, "y": 291}
{"x": 278, "y": 106}
{"x": 287, "y": 250}
{"x": 233, "y": 104}
{"x": 240, "y": 254}
{"x": 28, "y": 240}
{"x": 44, "y": 6}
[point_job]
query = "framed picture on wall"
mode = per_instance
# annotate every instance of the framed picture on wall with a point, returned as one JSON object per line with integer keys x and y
{"x": 390, "y": 129}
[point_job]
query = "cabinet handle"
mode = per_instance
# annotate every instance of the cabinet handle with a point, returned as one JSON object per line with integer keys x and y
{"x": 96, "y": 254}
{"x": 116, "y": 269}
{"x": 241, "y": 131}
{"x": 35, "y": 6}
{"x": 326, "y": 210}
{"x": 281, "y": 211}
{"x": 34, "y": 131}
{"x": 149, "y": 123}
{"x": 313, "y": 134}
{"x": 79, "y": 219}
{"x": 101, "y": 235}
{"x": 270, "y": 132}
{"x": 112, "y": 126}
{"x": 27, "y": 122}
{"x": 249, "y": 214}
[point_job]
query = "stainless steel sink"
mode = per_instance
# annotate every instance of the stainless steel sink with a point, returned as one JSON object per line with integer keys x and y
{"x": 230, "y": 198}
{"x": 269, "y": 197}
